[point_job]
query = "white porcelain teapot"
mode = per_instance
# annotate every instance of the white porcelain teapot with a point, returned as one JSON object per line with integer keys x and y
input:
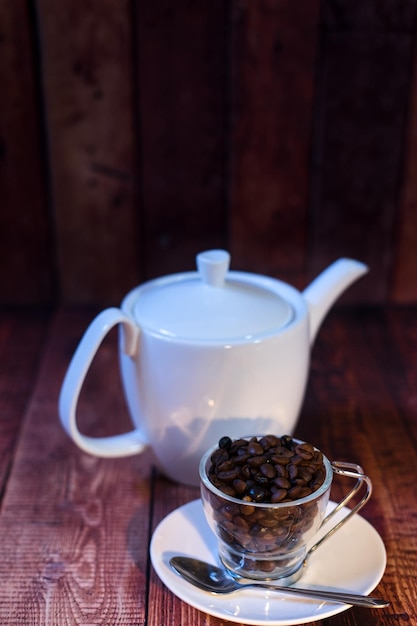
{"x": 206, "y": 354}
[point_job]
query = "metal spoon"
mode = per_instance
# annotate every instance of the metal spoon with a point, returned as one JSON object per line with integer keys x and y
{"x": 216, "y": 580}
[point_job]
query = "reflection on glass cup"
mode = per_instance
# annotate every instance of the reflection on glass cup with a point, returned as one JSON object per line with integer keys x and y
{"x": 269, "y": 541}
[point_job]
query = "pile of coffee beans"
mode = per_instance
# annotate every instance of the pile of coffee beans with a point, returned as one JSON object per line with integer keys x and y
{"x": 266, "y": 469}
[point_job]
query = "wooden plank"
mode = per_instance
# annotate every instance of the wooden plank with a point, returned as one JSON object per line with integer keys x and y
{"x": 75, "y": 529}
{"x": 404, "y": 280}
{"x": 387, "y": 16}
{"x": 357, "y": 150}
{"x": 368, "y": 376}
{"x": 165, "y": 607}
{"x": 26, "y": 262}
{"x": 79, "y": 552}
{"x": 22, "y": 336}
{"x": 403, "y": 339}
{"x": 357, "y": 409}
{"x": 274, "y": 56}
{"x": 89, "y": 92}
{"x": 183, "y": 89}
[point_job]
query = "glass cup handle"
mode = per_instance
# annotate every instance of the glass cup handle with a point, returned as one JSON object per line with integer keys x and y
{"x": 363, "y": 482}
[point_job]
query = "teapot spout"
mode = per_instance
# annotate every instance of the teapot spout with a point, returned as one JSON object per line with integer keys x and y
{"x": 327, "y": 287}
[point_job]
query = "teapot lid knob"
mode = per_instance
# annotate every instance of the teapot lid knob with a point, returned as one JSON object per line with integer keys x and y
{"x": 213, "y": 266}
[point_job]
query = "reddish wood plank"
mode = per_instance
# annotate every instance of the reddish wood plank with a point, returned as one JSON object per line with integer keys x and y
{"x": 89, "y": 91}
{"x": 183, "y": 89}
{"x": 22, "y": 336}
{"x": 165, "y": 607}
{"x": 26, "y": 262}
{"x": 370, "y": 419}
{"x": 274, "y": 55}
{"x": 377, "y": 15}
{"x": 360, "y": 406}
{"x": 357, "y": 151}
{"x": 404, "y": 280}
{"x": 79, "y": 552}
{"x": 75, "y": 529}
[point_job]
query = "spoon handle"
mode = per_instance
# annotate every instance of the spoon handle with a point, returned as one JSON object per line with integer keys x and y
{"x": 216, "y": 580}
{"x": 332, "y": 596}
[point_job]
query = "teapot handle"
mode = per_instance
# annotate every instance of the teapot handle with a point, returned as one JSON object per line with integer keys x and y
{"x": 125, "y": 444}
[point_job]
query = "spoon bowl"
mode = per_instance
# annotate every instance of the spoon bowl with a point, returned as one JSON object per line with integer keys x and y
{"x": 216, "y": 580}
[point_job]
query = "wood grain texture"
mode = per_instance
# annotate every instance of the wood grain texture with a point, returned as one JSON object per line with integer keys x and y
{"x": 22, "y": 336}
{"x": 167, "y": 608}
{"x": 89, "y": 93}
{"x": 79, "y": 553}
{"x": 363, "y": 91}
{"x": 135, "y": 134}
{"x": 75, "y": 529}
{"x": 26, "y": 259}
{"x": 360, "y": 361}
{"x": 274, "y": 44}
{"x": 403, "y": 285}
{"x": 183, "y": 89}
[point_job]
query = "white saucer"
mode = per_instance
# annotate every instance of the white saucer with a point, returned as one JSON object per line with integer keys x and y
{"x": 353, "y": 559}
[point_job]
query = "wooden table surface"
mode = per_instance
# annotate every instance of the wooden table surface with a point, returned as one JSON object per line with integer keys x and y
{"x": 75, "y": 530}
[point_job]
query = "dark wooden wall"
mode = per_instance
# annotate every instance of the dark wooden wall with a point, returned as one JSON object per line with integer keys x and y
{"x": 135, "y": 133}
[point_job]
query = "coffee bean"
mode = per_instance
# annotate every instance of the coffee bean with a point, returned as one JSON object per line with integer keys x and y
{"x": 282, "y": 470}
{"x": 239, "y": 486}
{"x": 255, "y": 449}
{"x": 241, "y": 459}
{"x": 298, "y": 492}
{"x": 229, "y": 475}
{"x": 269, "y": 469}
{"x": 257, "y": 461}
{"x": 280, "y": 460}
{"x": 228, "y": 490}
{"x": 282, "y": 483}
{"x": 279, "y": 495}
{"x": 245, "y": 472}
{"x": 305, "y": 474}
{"x": 225, "y": 465}
{"x": 219, "y": 456}
{"x": 267, "y": 566}
{"x": 266, "y": 469}
{"x": 225, "y": 442}
{"x": 269, "y": 441}
{"x": 305, "y": 450}
{"x": 258, "y": 493}
{"x": 261, "y": 479}
{"x": 247, "y": 510}
{"x": 287, "y": 441}
{"x": 292, "y": 471}
{"x": 240, "y": 522}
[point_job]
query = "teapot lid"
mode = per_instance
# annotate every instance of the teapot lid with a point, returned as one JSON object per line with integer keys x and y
{"x": 212, "y": 303}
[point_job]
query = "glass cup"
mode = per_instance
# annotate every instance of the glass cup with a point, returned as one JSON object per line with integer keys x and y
{"x": 267, "y": 541}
